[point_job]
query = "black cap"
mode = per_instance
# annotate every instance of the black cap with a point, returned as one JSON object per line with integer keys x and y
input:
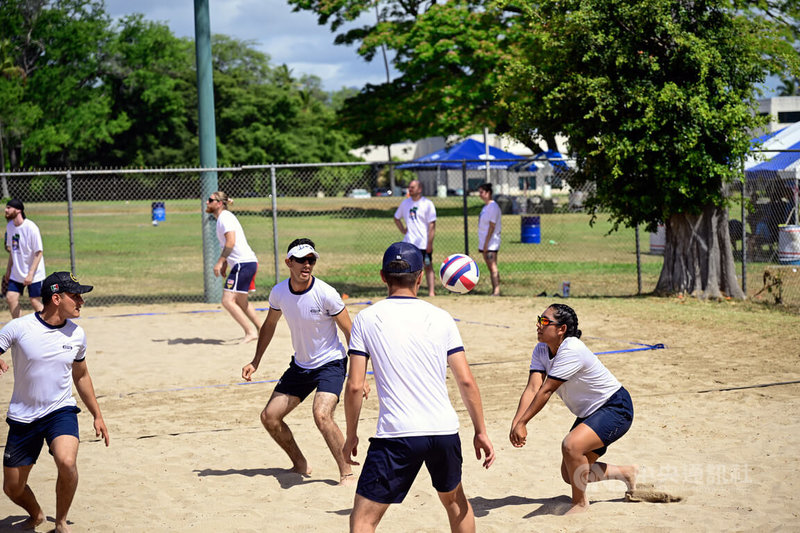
{"x": 16, "y": 204}
{"x": 402, "y": 251}
{"x": 59, "y": 282}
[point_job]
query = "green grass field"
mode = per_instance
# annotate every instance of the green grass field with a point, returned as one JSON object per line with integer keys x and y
{"x": 129, "y": 260}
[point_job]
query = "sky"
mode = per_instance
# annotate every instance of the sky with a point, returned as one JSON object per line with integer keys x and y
{"x": 287, "y": 37}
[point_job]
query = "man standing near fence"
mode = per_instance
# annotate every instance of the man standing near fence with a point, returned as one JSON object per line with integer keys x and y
{"x": 489, "y": 225}
{"x": 49, "y": 355}
{"x": 419, "y": 215}
{"x": 237, "y": 254}
{"x": 313, "y": 310}
{"x": 25, "y": 261}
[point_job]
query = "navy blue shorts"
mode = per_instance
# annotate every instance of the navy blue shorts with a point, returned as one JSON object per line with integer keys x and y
{"x": 392, "y": 465}
{"x": 427, "y": 258}
{"x": 611, "y": 420}
{"x": 34, "y": 289}
{"x": 242, "y": 278}
{"x": 24, "y": 442}
{"x": 300, "y": 382}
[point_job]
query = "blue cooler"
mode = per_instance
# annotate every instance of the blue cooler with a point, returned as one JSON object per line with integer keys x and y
{"x": 531, "y": 230}
{"x": 159, "y": 213}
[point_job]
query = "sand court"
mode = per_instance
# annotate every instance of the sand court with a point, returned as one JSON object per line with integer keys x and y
{"x": 713, "y": 431}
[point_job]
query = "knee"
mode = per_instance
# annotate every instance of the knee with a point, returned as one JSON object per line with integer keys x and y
{"x": 13, "y": 490}
{"x": 322, "y": 417}
{"x": 569, "y": 449}
{"x": 269, "y": 421}
{"x": 67, "y": 465}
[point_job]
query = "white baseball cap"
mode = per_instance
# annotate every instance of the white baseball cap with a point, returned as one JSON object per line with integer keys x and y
{"x": 302, "y": 250}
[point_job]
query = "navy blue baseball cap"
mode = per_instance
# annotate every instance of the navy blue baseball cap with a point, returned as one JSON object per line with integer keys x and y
{"x": 60, "y": 282}
{"x": 402, "y": 251}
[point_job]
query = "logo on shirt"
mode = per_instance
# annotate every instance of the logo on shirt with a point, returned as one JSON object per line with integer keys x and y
{"x": 413, "y": 213}
{"x": 15, "y": 242}
{"x": 67, "y": 347}
{"x": 315, "y": 311}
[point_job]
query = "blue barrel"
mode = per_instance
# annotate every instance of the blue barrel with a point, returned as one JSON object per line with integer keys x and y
{"x": 531, "y": 231}
{"x": 159, "y": 213}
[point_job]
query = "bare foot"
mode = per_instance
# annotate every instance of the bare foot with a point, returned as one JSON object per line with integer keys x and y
{"x": 33, "y": 521}
{"x": 578, "y": 508}
{"x": 62, "y": 527}
{"x": 348, "y": 480}
{"x": 630, "y": 473}
{"x": 250, "y": 337}
{"x": 304, "y": 469}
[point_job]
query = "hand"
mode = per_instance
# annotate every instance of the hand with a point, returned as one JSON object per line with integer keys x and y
{"x": 349, "y": 449}
{"x": 100, "y": 429}
{"x": 518, "y": 435}
{"x": 248, "y": 370}
{"x": 28, "y": 280}
{"x": 3, "y": 367}
{"x": 365, "y": 394}
{"x": 482, "y": 443}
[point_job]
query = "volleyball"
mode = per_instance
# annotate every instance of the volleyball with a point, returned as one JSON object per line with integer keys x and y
{"x": 459, "y": 273}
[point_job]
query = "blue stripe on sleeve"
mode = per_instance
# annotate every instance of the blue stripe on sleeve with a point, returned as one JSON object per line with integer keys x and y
{"x": 357, "y": 352}
{"x": 455, "y": 350}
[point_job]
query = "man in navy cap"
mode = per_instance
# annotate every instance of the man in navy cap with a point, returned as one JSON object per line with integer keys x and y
{"x": 410, "y": 343}
{"x": 49, "y": 355}
{"x": 25, "y": 262}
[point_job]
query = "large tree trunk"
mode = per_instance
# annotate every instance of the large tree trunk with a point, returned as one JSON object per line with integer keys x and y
{"x": 698, "y": 256}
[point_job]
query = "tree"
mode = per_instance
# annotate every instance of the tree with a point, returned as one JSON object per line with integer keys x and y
{"x": 657, "y": 99}
{"x": 450, "y": 56}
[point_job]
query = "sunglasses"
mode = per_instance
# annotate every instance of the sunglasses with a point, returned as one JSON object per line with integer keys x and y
{"x": 212, "y": 199}
{"x": 544, "y": 321}
{"x": 303, "y": 260}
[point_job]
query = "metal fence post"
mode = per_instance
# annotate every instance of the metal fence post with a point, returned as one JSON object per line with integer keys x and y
{"x": 70, "y": 224}
{"x": 275, "y": 223}
{"x": 464, "y": 202}
{"x": 744, "y": 237}
{"x": 638, "y": 263}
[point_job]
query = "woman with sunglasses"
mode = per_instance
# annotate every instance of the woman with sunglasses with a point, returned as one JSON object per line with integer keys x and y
{"x": 237, "y": 254}
{"x": 562, "y": 363}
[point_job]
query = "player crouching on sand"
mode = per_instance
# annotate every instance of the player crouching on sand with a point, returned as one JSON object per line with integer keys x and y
{"x": 562, "y": 363}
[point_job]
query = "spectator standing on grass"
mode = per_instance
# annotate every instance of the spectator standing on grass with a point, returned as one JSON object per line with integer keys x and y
{"x": 25, "y": 261}
{"x": 243, "y": 263}
{"x": 562, "y": 363}
{"x": 490, "y": 223}
{"x": 411, "y": 343}
{"x": 419, "y": 215}
{"x": 49, "y": 354}
{"x": 313, "y": 310}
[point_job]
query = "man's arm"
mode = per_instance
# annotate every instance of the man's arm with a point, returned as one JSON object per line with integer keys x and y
{"x": 222, "y": 263}
{"x": 264, "y": 338}
{"x": 83, "y": 384}
{"x": 353, "y": 399}
{"x": 400, "y": 226}
{"x": 471, "y": 396}
{"x": 431, "y": 235}
{"x": 343, "y": 321}
{"x": 9, "y": 265}
{"x": 37, "y": 258}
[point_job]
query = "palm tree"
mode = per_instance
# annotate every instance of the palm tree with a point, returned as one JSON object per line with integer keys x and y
{"x": 789, "y": 87}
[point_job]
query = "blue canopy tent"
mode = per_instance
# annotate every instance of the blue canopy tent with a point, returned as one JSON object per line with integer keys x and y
{"x": 470, "y": 150}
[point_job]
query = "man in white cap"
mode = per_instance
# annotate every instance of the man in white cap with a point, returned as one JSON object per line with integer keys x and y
{"x": 313, "y": 309}
{"x": 49, "y": 355}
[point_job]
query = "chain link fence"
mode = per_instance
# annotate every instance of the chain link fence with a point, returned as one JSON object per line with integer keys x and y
{"x": 137, "y": 234}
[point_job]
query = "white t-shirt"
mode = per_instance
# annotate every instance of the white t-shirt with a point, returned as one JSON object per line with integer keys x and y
{"x": 310, "y": 317}
{"x": 24, "y": 241}
{"x": 417, "y": 216}
{"x": 588, "y": 384}
{"x": 490, "y": 213}
{"x": 42, "y": 357}
{"x": 242, "y": 253}
{"x": 408, "y": 341}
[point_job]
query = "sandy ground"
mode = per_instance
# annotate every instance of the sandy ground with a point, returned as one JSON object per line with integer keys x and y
{"x": 188, "y": 451}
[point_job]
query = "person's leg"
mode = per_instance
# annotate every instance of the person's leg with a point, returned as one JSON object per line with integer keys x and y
{"x": 431, "y": 280}
{"x": 37, "y": 304}
{"x": 366, "y": 514}
{"x": 494, "y": 273}
{"x": 12, "y": 297}
{"x": 272, "y": 416}
{"x": 580, "y": 466}
{"x": 249, "y": 311}
{"x": 459, "y": 511}
{"x": 324, "y": 405}
{"x": 229, "y": 302}
{"x": 65, "y": 452}
{"x": 15, "y": 485}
